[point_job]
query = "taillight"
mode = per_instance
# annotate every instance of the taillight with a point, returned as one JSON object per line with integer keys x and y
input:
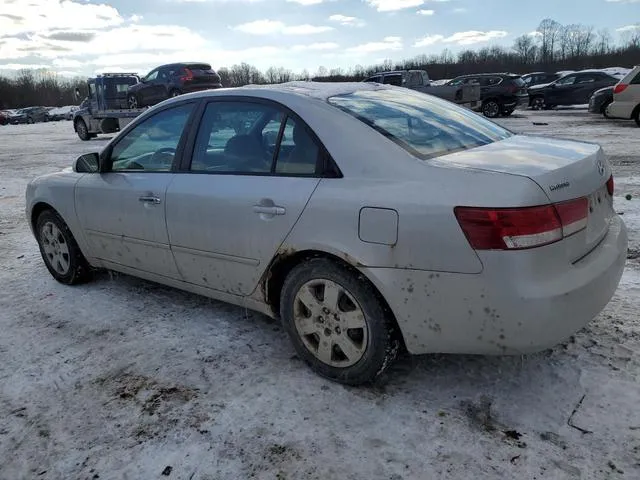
{"x": 610, "y": 186}
{"x": 619, "y": 88}
{"x": 188, "y": 75}
{"x": 519, "y": 228}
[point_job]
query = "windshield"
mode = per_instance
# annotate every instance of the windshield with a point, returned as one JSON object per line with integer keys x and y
{"x": 423, "y": 125}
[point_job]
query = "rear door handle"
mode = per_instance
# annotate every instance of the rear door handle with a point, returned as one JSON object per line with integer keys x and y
{"x": 150, "y": 199}
{"x": 275, "y": 210}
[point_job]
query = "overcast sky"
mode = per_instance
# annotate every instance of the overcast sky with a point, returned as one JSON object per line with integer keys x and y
{"x": 83, "y": 37}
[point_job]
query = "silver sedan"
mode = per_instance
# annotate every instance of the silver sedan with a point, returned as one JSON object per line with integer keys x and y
{"x": 368, "y": 218}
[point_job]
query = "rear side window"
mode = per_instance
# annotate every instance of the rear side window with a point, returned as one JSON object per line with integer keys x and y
{"x": 374, "y": 79}
{"x": 518, "y": 82}
{"x": 636, "y": 79}
{"x": 425, "y": 126}
{"x": 491, "y": 81}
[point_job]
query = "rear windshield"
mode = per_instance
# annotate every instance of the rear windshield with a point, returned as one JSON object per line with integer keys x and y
{"x": 518, "y": 81}
{"x": 198, "y": 66}
{"x": 423, "y": 125}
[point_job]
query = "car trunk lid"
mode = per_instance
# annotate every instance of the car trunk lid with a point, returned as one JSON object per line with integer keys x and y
{"x": 202, "y": 73}
{"x": 565, "y": 170}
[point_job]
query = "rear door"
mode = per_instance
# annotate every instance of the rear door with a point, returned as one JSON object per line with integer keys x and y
{"x": 233, "y": 206}
{"x": 122, "y": 209}
{"x": 586, "y": 84}
{"x": 561, "y": 92}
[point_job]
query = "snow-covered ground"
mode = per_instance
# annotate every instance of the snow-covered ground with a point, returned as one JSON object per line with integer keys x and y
{"x": 122, "y": 379}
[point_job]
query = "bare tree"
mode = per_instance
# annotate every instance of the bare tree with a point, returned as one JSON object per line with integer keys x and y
{"x": 603, "y": 43}
{"x": 631, "y": 36}
{"x": 549, "y": 31}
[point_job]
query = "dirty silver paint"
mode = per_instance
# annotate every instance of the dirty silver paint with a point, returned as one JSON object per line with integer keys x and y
{"x": 204, "y": 235}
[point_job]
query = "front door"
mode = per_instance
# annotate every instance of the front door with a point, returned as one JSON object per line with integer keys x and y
{"x": 252, "y": 172}
{"x": 150, "y": 90}
{"x": 122, "y": 209}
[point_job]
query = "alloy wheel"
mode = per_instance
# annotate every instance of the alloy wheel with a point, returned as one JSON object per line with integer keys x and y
{"x": 330, "y": 323}
{"x": 55, "y": 248}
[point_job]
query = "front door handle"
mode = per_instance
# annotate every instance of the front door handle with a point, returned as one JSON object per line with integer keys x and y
{"x": 150, "y": 199}
{"x": 274, "y": 210}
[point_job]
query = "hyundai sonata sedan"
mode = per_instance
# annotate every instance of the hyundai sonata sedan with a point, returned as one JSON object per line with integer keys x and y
{"x": 368, "y": 218}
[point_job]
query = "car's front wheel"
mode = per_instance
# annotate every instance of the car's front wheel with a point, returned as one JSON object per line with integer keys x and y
{"x": 59, "y": 250}
{"x": 336, "y": 322}
{"x": 537, "y": 103}
{"x": 491, "y": 109}
{"x": 132, "y": 101}
{"x": 82, "y": 130}
{"x": 508, "y": 112}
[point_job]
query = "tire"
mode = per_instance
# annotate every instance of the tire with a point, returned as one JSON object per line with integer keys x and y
{"x": 490, "y": 109}
{"x": 355, "y": 355}
{"x": 30, "y": 121}
{"x": 132, "y": 101}
{"x": 537, "y": 103}
{"x": 636, "y": 116}
{"x": 174, "y": 93}
{"x": 507, "y": 113}
{"x": 82, "y": 130}
{"x": 603, "y": 109}
{"x": 59, "y": 250}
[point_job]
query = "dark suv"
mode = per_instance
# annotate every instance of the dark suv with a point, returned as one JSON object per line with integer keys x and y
{"x": 572, "y": 89}
{"x": 30, "y": 115}
{"x": 170, "y": 81}
{"x": 500, "y": 93}
{"x": 539, "y": 78}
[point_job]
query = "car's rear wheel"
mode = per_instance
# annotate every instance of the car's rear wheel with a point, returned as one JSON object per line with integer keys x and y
{"x": 30, "y": 120}
{"x": 537, "y": 103}
{"x": 636, "y": 115}
{"x": 82, "y": 130}
{"x": 603, "y": 109}
{"x": 490, "y": 109}
{"x": 132, "y": 101}
{"x": 508, "y": 112}
{"x": 59, "y": 250}
{"x": 336, "y": 322}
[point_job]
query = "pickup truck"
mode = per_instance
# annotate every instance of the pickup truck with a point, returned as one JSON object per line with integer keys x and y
{"x": 466, "y": 95}
{"x": 105, "y": 109}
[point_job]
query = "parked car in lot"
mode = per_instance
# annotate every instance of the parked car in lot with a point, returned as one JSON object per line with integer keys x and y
{"x": 600, "y": 100}
{"x": 172, "y": 80}
{"x": 29, "y": 115}
{"x": 4, "y": 117}
{"x": 467, "y": 95}
{"x": 539, "y": 78}
{"x": 626, "y": 98}
{"x": 482, "y": 241}
{"x": 572, "y": 89}
{"x": 500, "y": 93}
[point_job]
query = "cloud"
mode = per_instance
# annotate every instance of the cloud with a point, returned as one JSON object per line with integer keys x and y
{"x": 474, "y": 36}
{"x": 388, "y": 43}
{"x": 25, "y": 66}
{"x": 623, "y": 1}
{"x": 628, "y": 28}
{"x": 347, "y": 21}
{"x": 393, "y": 5}
{"x": 426, "y": 13}
{"x": 322, "y": 46}
{"x": 306, "y": 2}
{"x": 71, "y": 36}
{"x": 428, "y": 40}
{"x": 40, "y": 15}
{"x": 460, "y": 10}
{"x": 269, "y": 27}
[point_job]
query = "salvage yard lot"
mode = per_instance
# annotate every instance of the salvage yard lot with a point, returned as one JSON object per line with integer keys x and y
{"x": 122, "y": 378}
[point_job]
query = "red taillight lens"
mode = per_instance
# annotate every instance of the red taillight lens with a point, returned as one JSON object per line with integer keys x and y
{"x": 188, "y": 75}
{"x": 610, "y": 186}
{"x": 518, "y": 228}
{"x": 619, "y": 88}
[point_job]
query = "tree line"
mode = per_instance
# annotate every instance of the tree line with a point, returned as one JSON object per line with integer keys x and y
{"x": 552, "y": 47}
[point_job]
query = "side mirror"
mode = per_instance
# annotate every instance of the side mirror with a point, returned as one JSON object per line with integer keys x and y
{"x": 87, "y": 163}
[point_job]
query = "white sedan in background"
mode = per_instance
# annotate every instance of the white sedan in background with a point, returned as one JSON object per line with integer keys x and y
{"x": 367, "y": 217}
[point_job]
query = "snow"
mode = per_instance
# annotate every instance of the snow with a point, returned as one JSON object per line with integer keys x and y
{"x": 121, "y": 378}
{"x": 321, "y": 90}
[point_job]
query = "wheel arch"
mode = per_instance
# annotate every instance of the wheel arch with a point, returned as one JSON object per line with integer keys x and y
{"x": 37, "y": 209}
{"x": 287, "y": 259}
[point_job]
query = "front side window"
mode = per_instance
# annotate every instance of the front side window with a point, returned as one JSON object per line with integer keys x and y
{"x": 152, "y": 76}
{"x": 569, "y": 80}
{"x": 393, "y": 80}
{"x": 151, "y": 145}
{"x": 425, "y": 126}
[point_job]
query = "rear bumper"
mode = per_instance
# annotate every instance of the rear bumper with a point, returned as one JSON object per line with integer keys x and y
{"x": 514, "y": 306}
{"x": 620, "y": 110}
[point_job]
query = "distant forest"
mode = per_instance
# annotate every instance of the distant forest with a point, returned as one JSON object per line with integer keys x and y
{"x": 553, "y": 47}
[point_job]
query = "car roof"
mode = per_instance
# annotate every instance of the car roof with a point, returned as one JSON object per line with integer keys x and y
{"x": 314, "y": 90}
